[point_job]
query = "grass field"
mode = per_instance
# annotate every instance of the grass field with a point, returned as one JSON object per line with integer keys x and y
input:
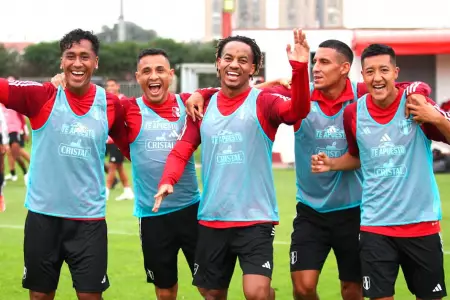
{"x": 126, "y": 270}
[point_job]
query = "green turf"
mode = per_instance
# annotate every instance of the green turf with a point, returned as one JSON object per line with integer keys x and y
{"x": 126, "y": 272}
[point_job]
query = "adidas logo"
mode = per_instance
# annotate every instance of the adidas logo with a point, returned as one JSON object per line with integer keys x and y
{"x": 273, "y": 231}
{"x": 385, "y": 138}
{"x": 366, "y": 130}
{"x": 438, "y": 288}
{"x": 266, "y": 265}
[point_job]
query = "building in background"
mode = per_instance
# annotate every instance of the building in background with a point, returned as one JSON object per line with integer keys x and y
{"x": 421, "y": 43}
{"x": 249, "y": 14}
{"x": 310, "y": 14}
{"x": 16, "y": 46}
{"x": 252, "y": 14}
{"x": 213, "y": 19}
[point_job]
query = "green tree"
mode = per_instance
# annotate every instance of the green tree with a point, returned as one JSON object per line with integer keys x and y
{"x": 134, "y": 33}
{"x": 117, "y": 60}
{"x": 41, "y": 59}
{"x": 9, "y": 62}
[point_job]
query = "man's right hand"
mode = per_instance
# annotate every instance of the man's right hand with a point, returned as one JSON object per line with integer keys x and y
{"x": 59, "y": 79}
{"x": 163, "y": 191}
{"x": 320, "y": 163}
{"x": 286, "y": 82}
{"x": 194, "y": 106}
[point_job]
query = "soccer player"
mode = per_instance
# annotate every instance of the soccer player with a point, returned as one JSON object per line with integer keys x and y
{"x": 400, "y": 209}
{"x": 66, "y": 189}
{"x": 18, "y": 134}
{"x": 15, "y": 123}
{"x": 4, "y": 140}
{"x": 154, "y": 122}
{"x": 116, "y": 158}
{"x": 238, "y": 208}
{"x": 328, "y": 214}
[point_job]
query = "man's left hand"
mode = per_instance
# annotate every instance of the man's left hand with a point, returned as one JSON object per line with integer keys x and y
{"x": 421, "y": 110}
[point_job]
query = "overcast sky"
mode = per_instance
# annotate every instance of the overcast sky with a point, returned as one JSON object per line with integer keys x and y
{"x": 37, "y": 20}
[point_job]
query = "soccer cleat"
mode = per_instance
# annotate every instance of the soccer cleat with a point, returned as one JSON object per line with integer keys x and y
{"x": 14, "y": 178}
{"x": 2, "y": 203}
{"x": 8, "y": 177}
{"x": 126, "y": 195}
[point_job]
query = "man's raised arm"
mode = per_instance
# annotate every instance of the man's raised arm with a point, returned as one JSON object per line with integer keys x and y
{"x": 25, "y": 97}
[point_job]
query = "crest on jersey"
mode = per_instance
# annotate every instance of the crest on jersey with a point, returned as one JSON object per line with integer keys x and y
{"x": 176, "y": 112}
{"x": 405, "y": 126}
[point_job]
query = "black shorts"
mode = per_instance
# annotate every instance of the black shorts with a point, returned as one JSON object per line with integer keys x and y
{"x": 49, "y": 241}
{"x": 15, "y": 137}
{"x": 218, "y": 250}
{"x": 421, "y": 259}
{"x": 162, "y": 237}
{"x": 315, "y": 234}
{"x": 115, "y": 156}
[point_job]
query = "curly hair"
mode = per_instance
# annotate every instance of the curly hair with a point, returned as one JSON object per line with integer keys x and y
{"x": 257, "y": 54}
{"x": 75, "y": 36}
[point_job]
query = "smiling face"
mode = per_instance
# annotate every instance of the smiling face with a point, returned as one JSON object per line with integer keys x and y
{"x": 154, "y": 75}
{"x": 235, "y": 65}
{"x": 78, "y": 64}
{"x": 379, "y": 74}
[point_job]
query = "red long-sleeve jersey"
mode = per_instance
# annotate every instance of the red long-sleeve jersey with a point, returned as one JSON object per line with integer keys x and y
{"x": 384, "y": 116}
{"x": 168, "y": 110}
{"x": 36, "y": 100}
{"x": 272, "y": 110}
{"x": 332, "y": 107}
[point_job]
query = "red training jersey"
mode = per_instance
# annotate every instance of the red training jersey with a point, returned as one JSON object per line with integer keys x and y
{"x": 272, "y": 110}
{"x": 384, "y": 116}
{"x": 168, "y": 110}
{"x": 332, "y": 107}
{"x": 35, "y": 100}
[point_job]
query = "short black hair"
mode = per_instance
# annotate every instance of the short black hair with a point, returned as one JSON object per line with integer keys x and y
{"x": 378, "y": 49}
{"x": 75, "y": 36}
{"x": 112, "y": 79}
{"x": 340, "y": 47}
{"x": 257, "y": 54}
{"x": 153, "y": 51}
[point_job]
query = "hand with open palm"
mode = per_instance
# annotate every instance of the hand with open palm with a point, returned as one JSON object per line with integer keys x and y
{"x": 300, "y": 52}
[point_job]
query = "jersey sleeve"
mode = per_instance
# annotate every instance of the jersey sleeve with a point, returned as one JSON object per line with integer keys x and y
{"x": 350, "y": 129}
{"x": 116, "y": 119}
{"x": 25, "y": 97}
{"x": 184, "y": 97}
{"x": 431, "y": 131}
{"x": 281, "y": 109}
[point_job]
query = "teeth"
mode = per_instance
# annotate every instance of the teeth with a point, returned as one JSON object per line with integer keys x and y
{"x": 233, "y": 73}
{"x": 155, "y": 84}
{"x": 77, "y": 73}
